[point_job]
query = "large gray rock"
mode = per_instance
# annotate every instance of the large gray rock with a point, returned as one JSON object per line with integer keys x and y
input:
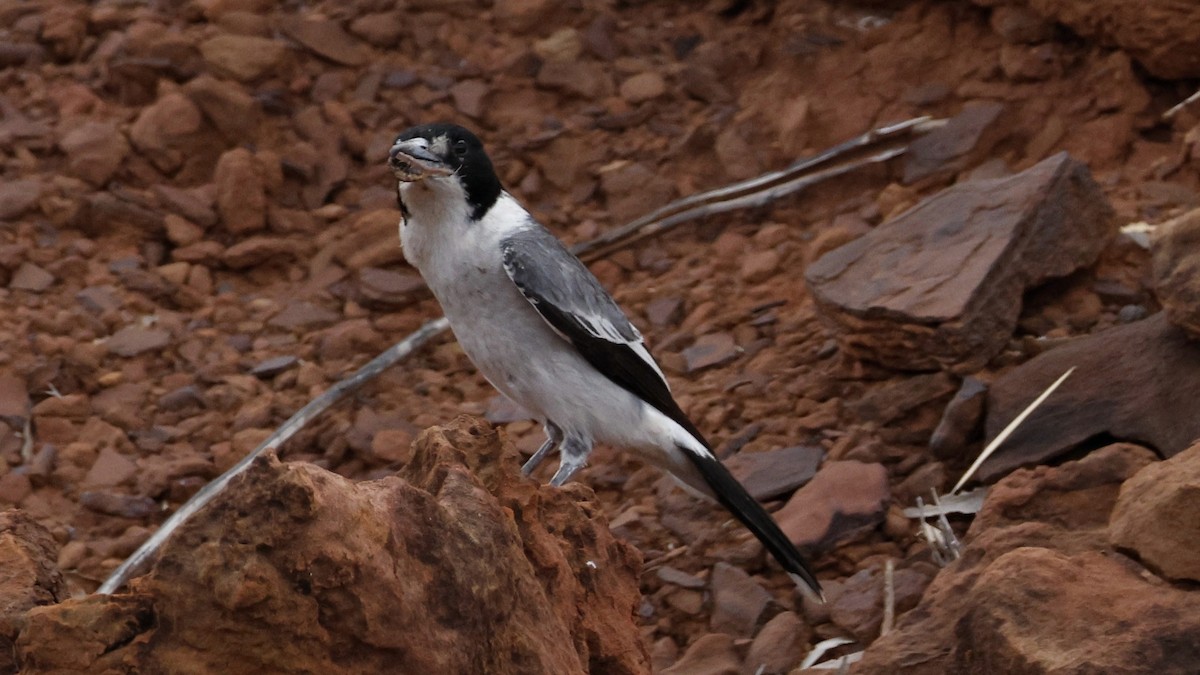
{"x": 941, "y": 284}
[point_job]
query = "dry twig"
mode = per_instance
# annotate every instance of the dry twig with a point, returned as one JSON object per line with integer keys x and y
{"x": 1174, "y": 110}
{"x": 315, "y": 407}
{"x": 889, "y": 597}
{"x": 1007, "y": 431}
{"x": 872, "y": 147}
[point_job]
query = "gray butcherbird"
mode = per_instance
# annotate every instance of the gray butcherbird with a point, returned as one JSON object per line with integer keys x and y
{"x": 544, "y": 332}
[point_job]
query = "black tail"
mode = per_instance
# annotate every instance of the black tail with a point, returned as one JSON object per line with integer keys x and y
{"x": 745, "y": 508}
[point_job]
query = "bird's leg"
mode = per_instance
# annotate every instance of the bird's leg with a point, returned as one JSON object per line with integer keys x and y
{"x": 574, "y": 453}
{"x": 554, "y": 436}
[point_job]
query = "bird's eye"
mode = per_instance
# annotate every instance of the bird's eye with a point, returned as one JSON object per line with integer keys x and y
{"x": 460, "y": 148}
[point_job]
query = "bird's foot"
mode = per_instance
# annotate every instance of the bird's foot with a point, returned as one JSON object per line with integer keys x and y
{"x": 566, "y": 469}
{"x": 554, "y": 437}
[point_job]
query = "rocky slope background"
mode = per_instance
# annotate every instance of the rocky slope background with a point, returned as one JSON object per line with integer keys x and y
{"x": 198, "y": 235}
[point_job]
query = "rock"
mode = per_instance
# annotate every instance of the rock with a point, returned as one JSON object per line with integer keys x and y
{"x": 1176, "y": 261}
{"x": 779, "y": 646}
{"x": 733, "y": 155}
{"x": 381, "y": 29}
{"x": 885, "y": 404}
{"x": 631, "y": 189}
{"x": 243, "y": 57}
{"x": 123, "y": 506}
{"x": 711, "y": 654}
{"x": 29, "y": 577}
{"x": 301, "y": 314}
{"x": 108, "y": 213}
{"x": 1140, "y": 380}
{"x": 94, "y": 151}
{"x": 1020, "y": 25}
{"x": 98, "y": 299}
{"x": 586, "y": 79}
{"x": 1164, "y": 36}
{"x": 948, "y": 149}
{"x": 390, "y": 288}
{"x": 457, "y": 563}
{"x": 677, "y": 577}
{"x": 110, "y": 468}
{"x": 15, "y": 406}
{"x": 759, "y": 266}
{"x": 241, "y": 191}
{"x": 230, "y": 109}
{"x": 14, "y": 488}
{"x": 1057, "y": 613}
{"x": 842, "y": 500}
{"x": 710, "y": 350}
{"x": 664, "y": 311}
{"x": 392, "y": 445}
{"x": 1059, "y": 510}
{"x": 369, "y": 240}
{"x": 643, "y": 87}
{"x": 961, "y": 421}
{"x": 920, "y": 482}
{"x": 260, "y": 250}
{"x": 775, "y": 473}
{"x": 469, "y": 96}
{"x": 941, "y": 284}
{"x": 181, "y": 231}
{"x": 857, "y": 606}
{"x": 1155, "y": 516}
{"x": 30, "y": 277}
{"x": 18, "y": 196}
{"x": 272, "y": 367}
{"x": 72, "y": 406}
{"x": 564, "y": 44}
{"x": 182, "y": 398}
{"x": 160, "y": 130}
{"x": 134, "y": 340}
{"x": 739, "y": 603}
{"x": 704, "y": 84}
{"x": 196, "y": 205}
{"x": 326, "y": 39}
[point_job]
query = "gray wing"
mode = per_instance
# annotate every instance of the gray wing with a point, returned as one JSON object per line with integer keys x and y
{"x": 569, "y": 298}
{"x": 572, "y": 301}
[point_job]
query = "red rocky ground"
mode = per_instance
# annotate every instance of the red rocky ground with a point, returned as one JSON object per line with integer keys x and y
{"x": 198, "y": 235}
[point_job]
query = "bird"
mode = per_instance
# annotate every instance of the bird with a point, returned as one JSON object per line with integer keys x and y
{"x": 543, "y": 331}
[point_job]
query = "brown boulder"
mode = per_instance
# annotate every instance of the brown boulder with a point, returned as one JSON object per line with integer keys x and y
{"x": 455, "y": 565}
{"x": 1157, "y": 516}
{"x": 29, "y": 577}
{"x": 1036, "y": 562}
{"x": 1036, "y": 610}
{"x": 941, "y": 284}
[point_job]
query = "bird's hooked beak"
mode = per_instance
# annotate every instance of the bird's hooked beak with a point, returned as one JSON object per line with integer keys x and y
{"x": 412, "y": 161}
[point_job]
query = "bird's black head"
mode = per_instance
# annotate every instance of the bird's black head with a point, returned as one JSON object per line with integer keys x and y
{"x": 446, "y": 152}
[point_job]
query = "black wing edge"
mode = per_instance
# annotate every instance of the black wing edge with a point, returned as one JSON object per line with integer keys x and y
{"x": 746, "y": 509}
{"x": 621, "y": 364}
{"x": 624, "y": 366}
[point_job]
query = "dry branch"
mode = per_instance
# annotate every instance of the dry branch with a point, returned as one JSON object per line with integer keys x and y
{"x": 295, "y": 423}
{"x": 872, "y": 147}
